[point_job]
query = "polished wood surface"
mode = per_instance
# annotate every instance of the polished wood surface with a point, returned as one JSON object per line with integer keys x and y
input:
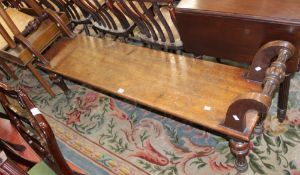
{"x": 10, "y": 134}
{"x": 31, "y": 125}
{"x": 235, "y": 30}
{"x": 261, "y": 9}
{"x": 191, "y": 89}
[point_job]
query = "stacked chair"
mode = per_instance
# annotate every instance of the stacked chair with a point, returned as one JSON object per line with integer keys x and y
{"x": 77, "y": 16}
{"x": 155, "y": 20}
{"x": 24, "y": 47}
{"x": 23, "y": 122}
{"x": 157, "y": 26}
{"x": 107, "y": 18}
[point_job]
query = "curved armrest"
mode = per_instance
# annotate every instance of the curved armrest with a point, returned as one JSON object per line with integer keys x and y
{"x": 259, "y": 102}
{"x": 264, "y": 56}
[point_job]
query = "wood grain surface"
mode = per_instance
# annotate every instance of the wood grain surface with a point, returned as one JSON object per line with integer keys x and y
{"x": 193, "y": 90}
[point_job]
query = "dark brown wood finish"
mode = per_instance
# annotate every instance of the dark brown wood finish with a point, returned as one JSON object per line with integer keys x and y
{"x": 8, "y": 167}
{"x": 240, "y": 149}
{"x": 261, "y": 102}
{"x": 106, "y": 17}
{"x": 235, "y": 30}
{"x": 157, "y": 25}
{"x": 283, "y": 96}
{"x": 77, "y": 15}
{"x": 40, "y": 136}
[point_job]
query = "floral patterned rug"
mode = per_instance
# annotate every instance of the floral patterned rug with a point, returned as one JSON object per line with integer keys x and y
{"x": 115, "y": 137}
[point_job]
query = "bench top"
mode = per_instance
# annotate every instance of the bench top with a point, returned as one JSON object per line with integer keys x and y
{"x": 284, "y": 11}
{"x": 191, "y": 89}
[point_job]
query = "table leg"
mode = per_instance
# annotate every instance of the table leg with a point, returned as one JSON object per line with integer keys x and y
{"x": 283, "y": 97}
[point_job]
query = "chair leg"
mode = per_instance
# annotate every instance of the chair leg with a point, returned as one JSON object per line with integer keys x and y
{"x": 7, "y": 71}
{"x": 240, "y": 149}
{"x": 60, "y": 83}
{"x": 86, "y": 30}
{"x": 40, "y": 79}
{"x": 283, "y": 97}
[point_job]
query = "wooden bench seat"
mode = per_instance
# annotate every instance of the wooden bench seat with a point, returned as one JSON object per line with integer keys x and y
{"x": 215, "y": 96}
{"x": 177, "y": 85}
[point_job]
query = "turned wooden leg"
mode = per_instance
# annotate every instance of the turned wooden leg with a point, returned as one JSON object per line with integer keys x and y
{"x": 60, "y": 83}
{"x": 240, "y": 149}
{"x": 283, "y": 97}
{"x": 40, "y": 79}
{"x": 259, "y": 128}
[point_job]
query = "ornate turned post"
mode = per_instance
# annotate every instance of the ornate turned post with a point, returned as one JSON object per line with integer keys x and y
{"x": 240, "y": 149}
{"x": 283, "y": 97}
{"x": 275, "y": 76}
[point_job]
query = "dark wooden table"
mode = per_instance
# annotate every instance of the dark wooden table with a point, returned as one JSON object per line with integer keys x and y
{"x": 235, "y": 29}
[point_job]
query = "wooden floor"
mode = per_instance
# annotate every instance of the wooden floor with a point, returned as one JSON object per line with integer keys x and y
{"x": 194, "y": 90}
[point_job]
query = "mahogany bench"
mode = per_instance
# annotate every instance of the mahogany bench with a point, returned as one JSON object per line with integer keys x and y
{"x": 215, "y": 96}
{"x": 229, "y": 100}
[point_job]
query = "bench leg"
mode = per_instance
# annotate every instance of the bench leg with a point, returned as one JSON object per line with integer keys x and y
{"x": 40, "y": 79}
{"x": 240, "y": 149}
{"x": 60, "y": 83}
{"x": 283, "y": 97}
{"x": 259, "y": 128}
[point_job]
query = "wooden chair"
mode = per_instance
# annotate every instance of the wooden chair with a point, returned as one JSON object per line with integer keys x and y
{"x": 107, "y": 18}
{"x": 31, "y": 125}
{"x": 156, "y": 27}
{"x": 27, "y": 45}
{"x": 23, "y": 20}
{"x": 77, "y": 16}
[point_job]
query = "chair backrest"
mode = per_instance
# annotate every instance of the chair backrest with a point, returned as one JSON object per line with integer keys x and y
{"x": 33, "y": 127}
{"x": 157, "y": 24}
{"x": 76, "y": 14}
{"x": 107, "y": 18}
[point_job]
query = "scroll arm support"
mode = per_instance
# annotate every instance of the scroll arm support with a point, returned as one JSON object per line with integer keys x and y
{"x": 274, "y": 76}
{"x": 238, "y": 110}
{"x": 264, "y": 56}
